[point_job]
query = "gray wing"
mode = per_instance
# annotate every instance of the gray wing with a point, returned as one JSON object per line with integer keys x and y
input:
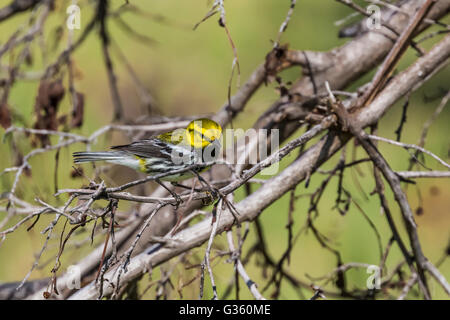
{"x": 150, "y": 148}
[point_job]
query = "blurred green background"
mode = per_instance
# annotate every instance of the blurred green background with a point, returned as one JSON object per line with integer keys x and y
{"x": 187, "y": 72}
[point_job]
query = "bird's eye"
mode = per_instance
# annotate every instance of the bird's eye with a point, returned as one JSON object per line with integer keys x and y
{"x": 213, "y": 153}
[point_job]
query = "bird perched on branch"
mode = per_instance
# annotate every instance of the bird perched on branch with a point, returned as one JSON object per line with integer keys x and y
{"x": 179, "y": 149}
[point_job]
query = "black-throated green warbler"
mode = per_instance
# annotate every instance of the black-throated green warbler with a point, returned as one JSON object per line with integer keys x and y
{"x": 198, "y": 142}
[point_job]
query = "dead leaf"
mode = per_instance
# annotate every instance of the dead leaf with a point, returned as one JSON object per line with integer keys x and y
{"x": 5, "y": 116}
{"x": 419, "y": 211}
{"x": 49, "y": 96}
{"x": 78, "y": 110}
{"x": 76, "y": 172}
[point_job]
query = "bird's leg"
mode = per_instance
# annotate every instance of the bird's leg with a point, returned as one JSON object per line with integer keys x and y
{"x": 214, "y": 192}
{"x": 177, "y": 197}
{"x": 217, "y": 194}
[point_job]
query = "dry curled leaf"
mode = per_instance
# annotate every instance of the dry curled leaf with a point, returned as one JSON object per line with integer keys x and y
{"x": 419, "y": 211}
{"x": 76, "y": 172}
{"x": 49, "y": 96}
{"x": 78, "y": 110}
{"x": 5, "y": 116}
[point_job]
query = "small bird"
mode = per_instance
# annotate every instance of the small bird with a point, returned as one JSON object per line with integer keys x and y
{"x": 199, "y": 142}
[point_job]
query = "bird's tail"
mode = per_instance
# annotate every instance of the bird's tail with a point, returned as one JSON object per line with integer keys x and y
{"x": 79, "y": 157}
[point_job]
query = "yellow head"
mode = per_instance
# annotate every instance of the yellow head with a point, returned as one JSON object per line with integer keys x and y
{"x": 202, "y": 132}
